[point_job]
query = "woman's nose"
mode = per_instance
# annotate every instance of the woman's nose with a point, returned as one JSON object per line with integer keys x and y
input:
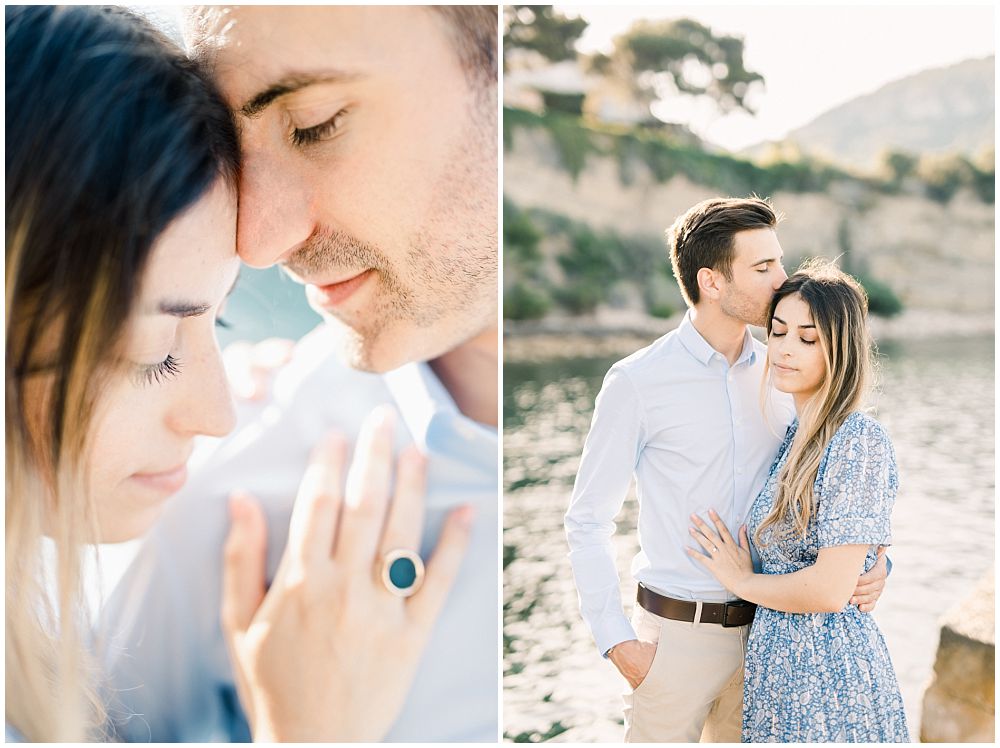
{"x": 205, "y": 405}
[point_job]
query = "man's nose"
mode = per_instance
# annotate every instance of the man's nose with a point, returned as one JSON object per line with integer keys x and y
{"x": 274, "y": 210}
{"x": 781, "y": 277}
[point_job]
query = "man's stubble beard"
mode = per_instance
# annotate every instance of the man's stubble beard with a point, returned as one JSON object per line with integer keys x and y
{"x": 742, "y": 307}
{"x": 446, "y": 287}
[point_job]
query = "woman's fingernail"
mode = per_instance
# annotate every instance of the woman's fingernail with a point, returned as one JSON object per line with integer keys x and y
{"x": 412, "y": 454}
{"x": 385, "y": 416}
{"x": 465, "y": 515}
{"x": 235, "y": 508}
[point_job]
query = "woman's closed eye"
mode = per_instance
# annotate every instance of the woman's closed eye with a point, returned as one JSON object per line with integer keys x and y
{"x": 169, "y": 367}
{"x": 147, "y": 374}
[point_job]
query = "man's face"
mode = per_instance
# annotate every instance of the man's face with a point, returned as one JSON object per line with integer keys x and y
{"x": 370, "y": 169}
{"x": 757, "y": 274}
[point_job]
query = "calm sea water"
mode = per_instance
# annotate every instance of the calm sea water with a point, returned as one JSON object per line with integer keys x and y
{"x": 937, "y": 403}
{"x": 266, "y": 304}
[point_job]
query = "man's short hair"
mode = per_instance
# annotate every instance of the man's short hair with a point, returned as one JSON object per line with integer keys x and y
{"x": 473, "y": 30}
{"x": 474, "y": 34}
{"x": 703, "y": 238}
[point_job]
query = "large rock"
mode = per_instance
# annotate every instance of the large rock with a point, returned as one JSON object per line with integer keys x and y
{"x": 959, "y": 702}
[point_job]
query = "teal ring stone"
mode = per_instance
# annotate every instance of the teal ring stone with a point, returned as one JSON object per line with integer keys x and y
{"x": 403, "y": 573}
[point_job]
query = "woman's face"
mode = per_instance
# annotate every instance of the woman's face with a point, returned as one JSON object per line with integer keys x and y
{"x": 172, "y": 386}
{"x": 793, "y": 349}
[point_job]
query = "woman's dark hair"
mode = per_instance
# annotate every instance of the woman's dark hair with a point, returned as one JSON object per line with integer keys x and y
{"x": 112, "y": 133}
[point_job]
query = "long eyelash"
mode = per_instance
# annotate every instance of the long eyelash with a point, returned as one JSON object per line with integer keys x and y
{"x": 315, "y": 134}
{"x": 158, "y": 373}
{"x": 224, "y": 324}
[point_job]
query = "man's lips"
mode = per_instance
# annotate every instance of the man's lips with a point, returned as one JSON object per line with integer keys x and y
{"x": 167, "y": 481}
{"x": 336, "y": 293}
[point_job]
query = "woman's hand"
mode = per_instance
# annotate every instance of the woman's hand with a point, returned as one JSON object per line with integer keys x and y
{"x": 328, "y": 653}
{"x": 729, "y": 561}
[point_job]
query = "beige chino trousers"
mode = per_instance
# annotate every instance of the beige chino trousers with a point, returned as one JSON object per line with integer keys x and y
{"x": 694, "y": 689}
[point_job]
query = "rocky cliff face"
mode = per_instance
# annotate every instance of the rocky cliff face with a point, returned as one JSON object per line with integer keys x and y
{"x": 936, "y": 257}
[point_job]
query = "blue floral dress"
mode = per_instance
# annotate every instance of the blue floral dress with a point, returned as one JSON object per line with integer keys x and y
{"x": 826, "y": 677}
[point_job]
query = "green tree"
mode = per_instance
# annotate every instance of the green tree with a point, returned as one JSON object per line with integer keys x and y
{"x": 899, "y": 165}
{"x": 660, "y": 57}
{"x": 541, "y": 29}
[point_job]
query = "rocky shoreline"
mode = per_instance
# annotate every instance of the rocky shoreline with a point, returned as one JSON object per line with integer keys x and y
{"x": 610, "y": 334}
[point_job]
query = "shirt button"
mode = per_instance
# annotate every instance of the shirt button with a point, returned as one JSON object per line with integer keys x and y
{"x": 739, "y": 471}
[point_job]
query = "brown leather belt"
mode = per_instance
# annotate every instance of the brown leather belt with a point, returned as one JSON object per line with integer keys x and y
{"x": 728, "y": 615}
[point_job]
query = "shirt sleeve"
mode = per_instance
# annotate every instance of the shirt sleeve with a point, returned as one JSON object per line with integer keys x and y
{"x": 858, "y": 486}
{"x": 612, "y": 448}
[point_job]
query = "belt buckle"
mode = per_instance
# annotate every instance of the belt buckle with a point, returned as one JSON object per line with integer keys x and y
{"x": 725, "y": 612}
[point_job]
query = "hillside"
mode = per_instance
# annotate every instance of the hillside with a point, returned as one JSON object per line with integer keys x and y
{"x": 585, "y": 208}
{"x": 943, "y": 110}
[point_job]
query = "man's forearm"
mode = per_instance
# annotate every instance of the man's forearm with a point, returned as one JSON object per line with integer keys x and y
{"x": 598, "y": 585}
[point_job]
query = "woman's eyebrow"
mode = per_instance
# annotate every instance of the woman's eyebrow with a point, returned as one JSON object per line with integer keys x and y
{"x": 182, "y": 308}
{"x": 776, "y": 318}
{"x": 189, "y": 308}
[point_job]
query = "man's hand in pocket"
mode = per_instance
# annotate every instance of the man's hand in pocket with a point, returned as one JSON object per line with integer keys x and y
{"x": 633, "y": 659}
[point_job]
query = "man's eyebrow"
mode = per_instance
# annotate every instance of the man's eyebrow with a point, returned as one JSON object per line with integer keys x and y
{"x": 766, "y": 259}
{"x": 187, "y": 308}
{"x": 291, "y": 83}
{"x": 776, "y": 318}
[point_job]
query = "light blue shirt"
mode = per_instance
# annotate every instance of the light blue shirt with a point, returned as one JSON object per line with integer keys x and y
{"x": 690, "y": 429}
{"x": 169, "y": 671}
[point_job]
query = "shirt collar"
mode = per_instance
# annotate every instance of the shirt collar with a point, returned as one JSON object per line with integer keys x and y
{"x": 427, "y": 408}
{"x": 700, "y": 348}
{"x": 749, "y": 353}
{"x": 419, "y": 395}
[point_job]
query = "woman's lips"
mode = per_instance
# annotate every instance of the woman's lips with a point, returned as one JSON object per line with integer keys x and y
{"x": 335, "y": 294}
{"x": 784, "y": 369}
{"x": 169, "y": 481}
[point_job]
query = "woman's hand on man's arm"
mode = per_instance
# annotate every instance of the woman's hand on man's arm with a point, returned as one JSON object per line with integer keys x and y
{"x": 824, "y": 587}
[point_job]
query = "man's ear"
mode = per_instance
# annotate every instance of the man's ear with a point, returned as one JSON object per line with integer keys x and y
{"x": 708, "y": 284}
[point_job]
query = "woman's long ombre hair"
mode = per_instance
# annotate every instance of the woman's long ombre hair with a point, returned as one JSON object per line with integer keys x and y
{"x": 111, "y": 134}
{"x": 839, "y": 308}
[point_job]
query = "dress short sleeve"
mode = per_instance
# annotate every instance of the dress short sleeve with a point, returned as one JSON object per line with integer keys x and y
{"x": 856, "y": 485}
